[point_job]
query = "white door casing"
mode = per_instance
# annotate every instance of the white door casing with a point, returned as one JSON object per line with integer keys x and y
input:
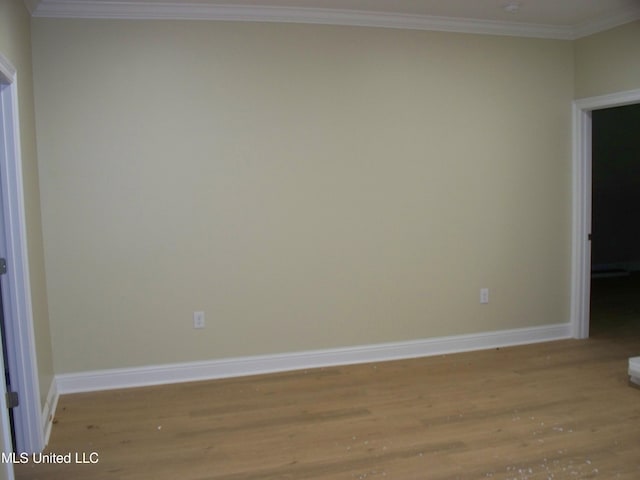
{"x": 581, "y": 251}
{"x": 16, "y": 291}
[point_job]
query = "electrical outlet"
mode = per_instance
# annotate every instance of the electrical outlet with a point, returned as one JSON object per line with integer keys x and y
{"x": 198, "y": 319}
{"x": 484, "y": 295}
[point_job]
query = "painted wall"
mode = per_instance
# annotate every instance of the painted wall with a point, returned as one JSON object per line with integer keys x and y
{"x": 15, "y": 45}
{"x": 608, "y": 62}
{"x": 308, "y": 187}
{"x": 616, "y": 187}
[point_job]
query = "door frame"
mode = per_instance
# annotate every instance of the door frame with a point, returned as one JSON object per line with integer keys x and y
{"x": 16, "y": 287}
{"x": 581, "y": 228}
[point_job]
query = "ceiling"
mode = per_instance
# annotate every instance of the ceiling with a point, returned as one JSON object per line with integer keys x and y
{"x": 564, "y": 19}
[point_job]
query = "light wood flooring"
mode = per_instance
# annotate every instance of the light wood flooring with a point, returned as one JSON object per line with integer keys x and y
{"x": 558, "y": 410}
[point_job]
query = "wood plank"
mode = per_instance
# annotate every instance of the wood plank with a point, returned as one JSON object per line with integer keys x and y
{"x": 553, "y": 410}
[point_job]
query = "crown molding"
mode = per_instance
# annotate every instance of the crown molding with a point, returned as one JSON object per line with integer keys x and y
{"x": 136, "y": 10}
{"x": 613, "y": 20}
{"x": 186, "y": 11}
{"x": 31, "y": 5}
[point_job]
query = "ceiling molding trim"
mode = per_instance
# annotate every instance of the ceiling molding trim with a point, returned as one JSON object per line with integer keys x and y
{"x": 616, "y": 19}
{"x": 31, "y": 5}
{"x": 184, "y": 11}
{"x": 135, "y": 10}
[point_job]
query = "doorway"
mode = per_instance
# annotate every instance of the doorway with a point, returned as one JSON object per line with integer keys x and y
{"x": 582, "y": 202}
{"x": 615, "y": 239}
{"x": 15, "y": 284}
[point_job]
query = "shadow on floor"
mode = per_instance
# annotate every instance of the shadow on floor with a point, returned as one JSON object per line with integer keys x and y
{"x": 615, "y": 306}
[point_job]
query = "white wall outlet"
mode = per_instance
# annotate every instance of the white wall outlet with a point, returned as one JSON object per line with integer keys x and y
{"x": 198, "y": 319}
{"x": 484, "y": 295}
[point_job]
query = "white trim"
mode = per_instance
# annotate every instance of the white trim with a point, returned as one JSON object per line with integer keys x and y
{"x": 620, "y": 17}
{"x": 243, "y": 366}
{"x": 6, "y": 469}
{"x": 49, "y": 411}
{"x": 7, "y": 71}
{"x": 634, "y": 370}
{"x": 7, "y": 76}
{"x": 137, "y": 10}
{"x": 610, "y": 100}
{"x": 16, "y": 288}
{"x": 31, "y": 5}
{"x": 581, "y": 248}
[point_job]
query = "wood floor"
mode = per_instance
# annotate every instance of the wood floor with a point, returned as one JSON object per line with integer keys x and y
{"x": 559, "y": 410}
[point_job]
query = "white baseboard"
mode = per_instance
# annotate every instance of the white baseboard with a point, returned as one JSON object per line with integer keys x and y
{"x": 634, "y": 370}
{"x": 49, "y": 411}
{"x": 242, "y": 366}
{"x": 620, "y": 266}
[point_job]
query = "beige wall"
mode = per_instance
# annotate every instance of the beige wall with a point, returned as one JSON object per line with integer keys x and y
{"x": 608, "y": 62}
{"x": 307, "y": 186}
{"x": 15, "y": 45}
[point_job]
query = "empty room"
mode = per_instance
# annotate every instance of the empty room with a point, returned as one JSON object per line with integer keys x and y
{"x": 268, "y": 239}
